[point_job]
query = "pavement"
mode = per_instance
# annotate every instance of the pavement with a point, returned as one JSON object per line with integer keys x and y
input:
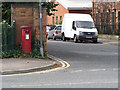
{"x": 109, "y": 41}
{"x": 24, "y": 65}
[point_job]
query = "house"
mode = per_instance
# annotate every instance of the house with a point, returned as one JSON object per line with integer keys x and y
{"x": 69, "y": 6}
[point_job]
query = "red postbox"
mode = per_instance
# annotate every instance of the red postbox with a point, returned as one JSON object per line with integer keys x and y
{"x": 26, "y": 39}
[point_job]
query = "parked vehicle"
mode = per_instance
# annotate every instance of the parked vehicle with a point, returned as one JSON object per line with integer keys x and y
{"x": 79, "y": 27}
{"x": 55, "y": 33}
{"x": 48, "y": 28}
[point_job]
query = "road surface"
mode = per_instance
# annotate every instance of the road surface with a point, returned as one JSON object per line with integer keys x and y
{"x": 91, "y": 66}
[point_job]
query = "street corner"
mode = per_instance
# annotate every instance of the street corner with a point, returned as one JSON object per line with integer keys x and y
{"x": 26, "y": 66}
{"x": 63, "y": 64}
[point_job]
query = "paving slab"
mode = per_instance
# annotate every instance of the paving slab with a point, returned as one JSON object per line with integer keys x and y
{"x": 24, "y": 64}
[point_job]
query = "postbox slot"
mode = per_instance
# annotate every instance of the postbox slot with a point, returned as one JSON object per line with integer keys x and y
{"x": 26, "y": 31}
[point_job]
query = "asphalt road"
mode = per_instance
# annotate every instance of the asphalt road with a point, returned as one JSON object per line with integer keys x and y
{"x": 92, "y": 66}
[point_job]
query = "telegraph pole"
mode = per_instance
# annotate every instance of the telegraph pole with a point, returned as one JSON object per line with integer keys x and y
{"x": 41, "y": 32}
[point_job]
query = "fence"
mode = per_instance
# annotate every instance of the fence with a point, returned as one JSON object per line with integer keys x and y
{"x": 0, "y": 40}
{"x": 106, "y": 23}
{"x": 8, "y": 37}
{"x": 108, "y": 29}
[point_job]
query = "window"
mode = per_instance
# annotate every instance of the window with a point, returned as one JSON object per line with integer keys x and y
{"x": 56, "y": 19}
{"x": 60, "y": 18}
{"x": 59, "y": 27}
{"x": 53, "y": 20}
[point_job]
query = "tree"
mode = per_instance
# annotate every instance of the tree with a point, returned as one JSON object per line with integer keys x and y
{"x": 6, "y": 12}
{"x": 50, "y": 7}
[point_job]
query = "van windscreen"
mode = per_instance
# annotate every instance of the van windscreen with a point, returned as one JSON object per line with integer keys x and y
{"x": 85, "y": 24}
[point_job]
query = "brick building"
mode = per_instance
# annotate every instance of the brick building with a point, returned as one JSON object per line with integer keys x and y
{"x": 28, "y": 14}
{"x": 106, "y": 16}
{"x": 69, "y": 6}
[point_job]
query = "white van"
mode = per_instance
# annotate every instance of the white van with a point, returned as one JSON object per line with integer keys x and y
{"x": 79, "y": 27}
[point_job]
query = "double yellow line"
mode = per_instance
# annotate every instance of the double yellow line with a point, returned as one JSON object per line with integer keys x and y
{"x": 63, "y": 63}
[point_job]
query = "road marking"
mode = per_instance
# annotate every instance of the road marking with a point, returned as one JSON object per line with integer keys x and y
{"x": 77, "y": 71}
{"x": 62, "y": 62}
{"x": 68, "y": 83}
{"x": 94, "y": 70}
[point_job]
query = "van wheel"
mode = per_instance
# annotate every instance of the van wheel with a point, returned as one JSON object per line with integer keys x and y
{"x": 75, "y": 39}
{"x": 54, "y": 37}
{"x": 95, "y": 41}
{"x": 63, "y": 38}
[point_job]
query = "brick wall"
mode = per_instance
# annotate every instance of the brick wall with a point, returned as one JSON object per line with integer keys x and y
{"x": 61, "y": 11}
{"x": 28, "y": 15}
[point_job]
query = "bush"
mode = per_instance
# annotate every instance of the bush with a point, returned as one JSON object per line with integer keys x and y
{"x": 17, "y": 52}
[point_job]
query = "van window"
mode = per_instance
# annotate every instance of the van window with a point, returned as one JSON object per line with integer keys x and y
{"x": 85, "y": 24}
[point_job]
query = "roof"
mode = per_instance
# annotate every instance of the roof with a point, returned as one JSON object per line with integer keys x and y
{"x": 76, "y": 4}
{"x": 77, "y": 17}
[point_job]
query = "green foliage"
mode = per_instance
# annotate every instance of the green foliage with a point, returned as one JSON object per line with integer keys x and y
{"x": 60, "y": 22}
{"x": 56, "y": 22}
{"x": 50, "y": 6}
{"x": 6, "y": 11}
{"x": 17, "y": 52}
